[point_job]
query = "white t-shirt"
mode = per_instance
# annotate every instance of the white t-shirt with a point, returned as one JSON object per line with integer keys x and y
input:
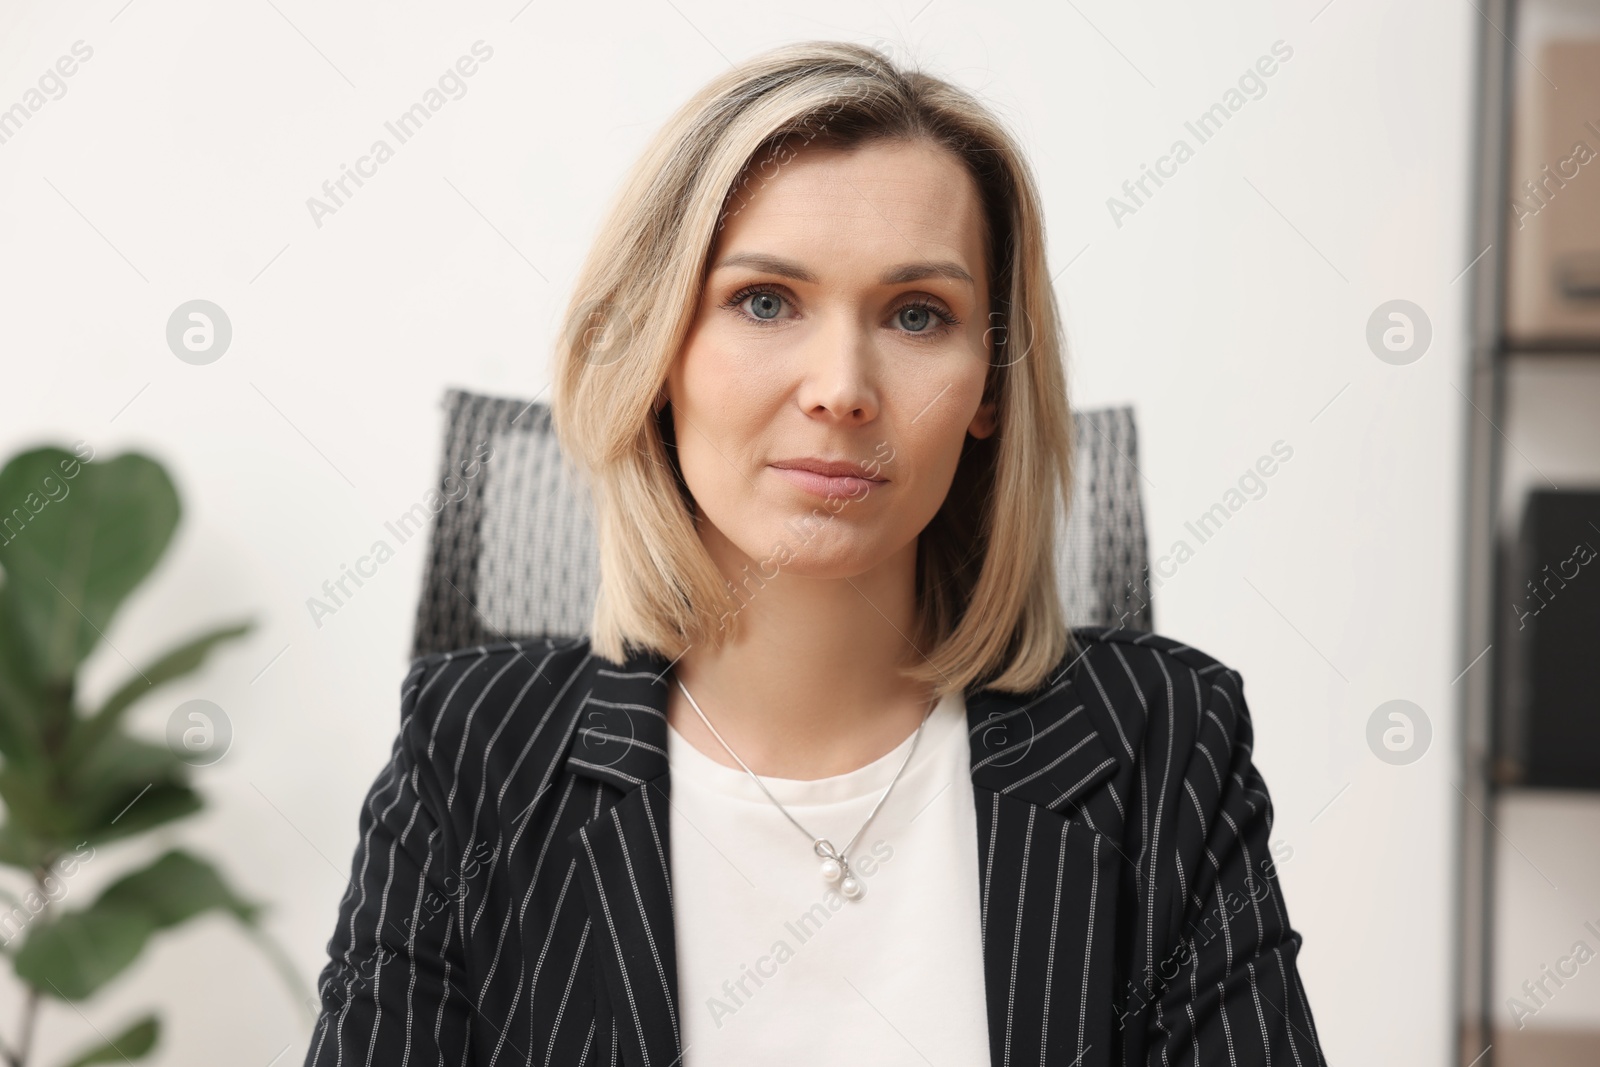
{"x": 775, "y": 966}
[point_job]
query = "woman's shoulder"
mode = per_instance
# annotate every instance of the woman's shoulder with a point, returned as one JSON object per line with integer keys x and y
{"x": 1149, "y": 689}
{"x": 518, "y": 648}
{"x": 441, "y": 679}
{"x": 464, "y": 697}
{"x": 1144, "y": 648}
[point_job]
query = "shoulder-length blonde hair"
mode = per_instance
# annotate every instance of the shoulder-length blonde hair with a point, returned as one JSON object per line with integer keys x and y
{"x": 988, "y": 608}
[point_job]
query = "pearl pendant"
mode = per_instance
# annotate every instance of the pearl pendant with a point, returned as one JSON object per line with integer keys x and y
{"x": 835, "y": 868}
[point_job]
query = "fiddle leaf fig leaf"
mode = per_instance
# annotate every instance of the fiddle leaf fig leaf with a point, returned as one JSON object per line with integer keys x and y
{"x": 136, "y": 1041}
{"x": 16, "y": 849}
{"x": 123, "y": 787}
{"x": 76, "y": 953}
{"x": 30, "y": 806}
{"x": 159, "y": 804}
{"x": 177, "y": 886}
{"x": 23, "y": 702}
{"x": 81, "y": 536}
{"x": 175, "y": 664}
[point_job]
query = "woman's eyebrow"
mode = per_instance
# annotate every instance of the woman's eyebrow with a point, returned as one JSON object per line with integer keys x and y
{"x": 905, "y": 272}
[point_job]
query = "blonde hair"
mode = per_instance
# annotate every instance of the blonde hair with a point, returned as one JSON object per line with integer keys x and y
{"x": 988, "y": 608}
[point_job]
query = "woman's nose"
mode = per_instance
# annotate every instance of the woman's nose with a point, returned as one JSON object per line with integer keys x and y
{"x": 839, "y": 370}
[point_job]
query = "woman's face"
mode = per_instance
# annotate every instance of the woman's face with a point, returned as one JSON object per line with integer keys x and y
{"x": 843, "y": 319}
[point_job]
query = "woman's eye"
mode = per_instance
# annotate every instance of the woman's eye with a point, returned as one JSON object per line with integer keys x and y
{"x": 765, "y": 305}
{"x": 760, "y": 304}
{"x": 925, "y": 320}
{"x": 915, "y": 318}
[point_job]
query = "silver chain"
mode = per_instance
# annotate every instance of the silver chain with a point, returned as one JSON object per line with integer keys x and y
{"x": 817, "y": 843}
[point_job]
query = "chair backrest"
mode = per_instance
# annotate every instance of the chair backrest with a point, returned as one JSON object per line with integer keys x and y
{"x": 513, "y": 550}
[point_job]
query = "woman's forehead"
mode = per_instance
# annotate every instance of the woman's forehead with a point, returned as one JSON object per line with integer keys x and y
{"x": 889, "y": 202}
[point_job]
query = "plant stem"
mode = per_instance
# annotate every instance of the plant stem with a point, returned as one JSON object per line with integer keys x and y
{"x": 283, "y": 965}
{"x": 30, "y": 1011}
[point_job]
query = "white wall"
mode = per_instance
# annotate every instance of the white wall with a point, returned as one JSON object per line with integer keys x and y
{"x": 1231, "y": 309}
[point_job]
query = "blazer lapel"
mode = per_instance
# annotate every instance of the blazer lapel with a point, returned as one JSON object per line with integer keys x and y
{"x": 1047, "y": 884}
{"x": 621, "y": 739}
{"x": 1048, "y": 881}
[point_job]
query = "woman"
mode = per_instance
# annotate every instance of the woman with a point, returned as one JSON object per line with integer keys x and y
{"x": 830, "y": 777}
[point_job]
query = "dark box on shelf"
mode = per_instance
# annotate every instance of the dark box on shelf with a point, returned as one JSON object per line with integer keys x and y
{"x": 1550, "y": 623}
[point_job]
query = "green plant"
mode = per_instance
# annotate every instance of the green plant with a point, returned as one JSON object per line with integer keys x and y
{"x": 76, "y": 538}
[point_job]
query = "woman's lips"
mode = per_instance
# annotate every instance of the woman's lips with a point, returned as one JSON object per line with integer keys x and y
{"x": 826, "y": 485}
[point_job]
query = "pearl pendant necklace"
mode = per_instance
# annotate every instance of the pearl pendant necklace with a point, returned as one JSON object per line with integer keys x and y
{"x": 835, "y": 867}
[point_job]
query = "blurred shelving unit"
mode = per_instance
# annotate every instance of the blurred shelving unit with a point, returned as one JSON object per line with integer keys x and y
{"x": 1529, "y": 943}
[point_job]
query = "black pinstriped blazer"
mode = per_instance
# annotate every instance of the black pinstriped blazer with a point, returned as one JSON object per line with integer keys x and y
{"x": 510, "y": 899}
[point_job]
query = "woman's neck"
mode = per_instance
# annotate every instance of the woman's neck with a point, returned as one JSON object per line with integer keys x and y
{"x": 811, "y": 688}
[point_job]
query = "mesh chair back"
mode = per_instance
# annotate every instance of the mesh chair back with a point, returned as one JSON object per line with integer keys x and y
{"x": 513, "y": 551}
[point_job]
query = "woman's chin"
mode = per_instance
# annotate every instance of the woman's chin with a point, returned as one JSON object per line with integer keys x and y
{"x": 825, "y": 555}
